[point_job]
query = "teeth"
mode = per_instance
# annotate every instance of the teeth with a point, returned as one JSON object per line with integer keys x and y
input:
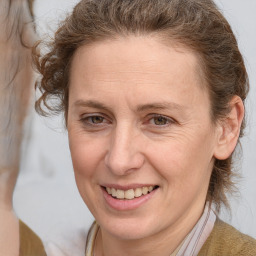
{"x": 138, "y": 192}
{"x": 120, "y": 194}
{"x": 113, "y": 192}
{"x": 144, "y": 190}
{"x": 129, "y": 194}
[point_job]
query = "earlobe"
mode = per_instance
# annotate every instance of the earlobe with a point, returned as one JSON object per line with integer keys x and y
{"x": 228, "y": 129}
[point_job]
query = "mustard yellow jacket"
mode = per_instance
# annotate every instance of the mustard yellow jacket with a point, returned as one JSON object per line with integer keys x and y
{"x": 225, "y": 240}
{"x": 30, "y": 243}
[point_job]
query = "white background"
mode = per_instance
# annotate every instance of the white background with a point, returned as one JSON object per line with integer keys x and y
{"x": 46, "y": 196}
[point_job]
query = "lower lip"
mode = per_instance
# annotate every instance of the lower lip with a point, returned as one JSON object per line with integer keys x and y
{"x": 127, "y": 204}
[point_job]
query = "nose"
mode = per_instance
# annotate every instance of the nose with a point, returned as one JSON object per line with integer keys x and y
{"x": 125, "y": 153}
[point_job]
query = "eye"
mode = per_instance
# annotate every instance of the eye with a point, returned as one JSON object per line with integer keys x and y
{"x": 93, "y": 120}
{"x": 160, "y": 120}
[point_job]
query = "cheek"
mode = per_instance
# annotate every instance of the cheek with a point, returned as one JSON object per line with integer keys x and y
{"x": 86, "y": 158}
{"x": 183, "y": 162}
{"x": 86, "y": 154}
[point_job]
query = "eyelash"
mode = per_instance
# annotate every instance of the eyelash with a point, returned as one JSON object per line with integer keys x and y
{"x": 87, "y": 120}
{"x": 168, "y": 120}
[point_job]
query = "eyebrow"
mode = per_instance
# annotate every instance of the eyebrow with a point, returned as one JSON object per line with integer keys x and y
{"x": 140, "y": 108}
{"x": 160, "y": 106}
{"x": 90, "y": 104}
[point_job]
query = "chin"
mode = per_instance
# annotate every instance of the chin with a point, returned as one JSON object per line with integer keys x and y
{"x": 130, "y": 228}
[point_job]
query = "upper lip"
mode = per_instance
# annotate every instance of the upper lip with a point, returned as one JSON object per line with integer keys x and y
{"x": 127, "y": 187}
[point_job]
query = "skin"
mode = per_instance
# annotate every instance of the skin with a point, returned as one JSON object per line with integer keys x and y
{"x": 128, "y": 83}
{"x": 16, "y": 78}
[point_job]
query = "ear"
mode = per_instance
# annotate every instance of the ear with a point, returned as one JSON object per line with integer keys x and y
{"x": 228, "y": 129}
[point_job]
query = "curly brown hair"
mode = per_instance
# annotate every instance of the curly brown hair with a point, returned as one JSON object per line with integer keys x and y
{"x": 196, "y": 24}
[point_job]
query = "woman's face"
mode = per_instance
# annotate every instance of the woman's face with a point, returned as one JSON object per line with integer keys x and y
{"x": 139, "y": 119}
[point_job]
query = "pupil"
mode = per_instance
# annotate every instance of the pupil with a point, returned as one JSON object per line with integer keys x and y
{"x": 97, "y": 119}
{"x": 160, "y": 120}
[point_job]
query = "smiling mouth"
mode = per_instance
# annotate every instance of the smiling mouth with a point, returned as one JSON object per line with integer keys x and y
{"x": 130, "y": 193}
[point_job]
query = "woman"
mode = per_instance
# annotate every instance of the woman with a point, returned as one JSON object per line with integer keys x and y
{"x": 16, "y": 78}
{"x": 152, "y": 93}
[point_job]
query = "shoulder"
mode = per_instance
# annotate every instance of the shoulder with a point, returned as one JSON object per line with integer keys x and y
{"x": 30, "y": 243}
{"x": 226, "y": 240}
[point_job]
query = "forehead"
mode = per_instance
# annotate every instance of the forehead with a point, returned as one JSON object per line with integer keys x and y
{"x": 134, "y": 53}
{"x": 136, "y": 64}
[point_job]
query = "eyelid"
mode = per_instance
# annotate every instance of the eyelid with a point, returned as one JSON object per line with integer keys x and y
{"x": 154, "y": 115}
{"x": 84, "y": 119}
